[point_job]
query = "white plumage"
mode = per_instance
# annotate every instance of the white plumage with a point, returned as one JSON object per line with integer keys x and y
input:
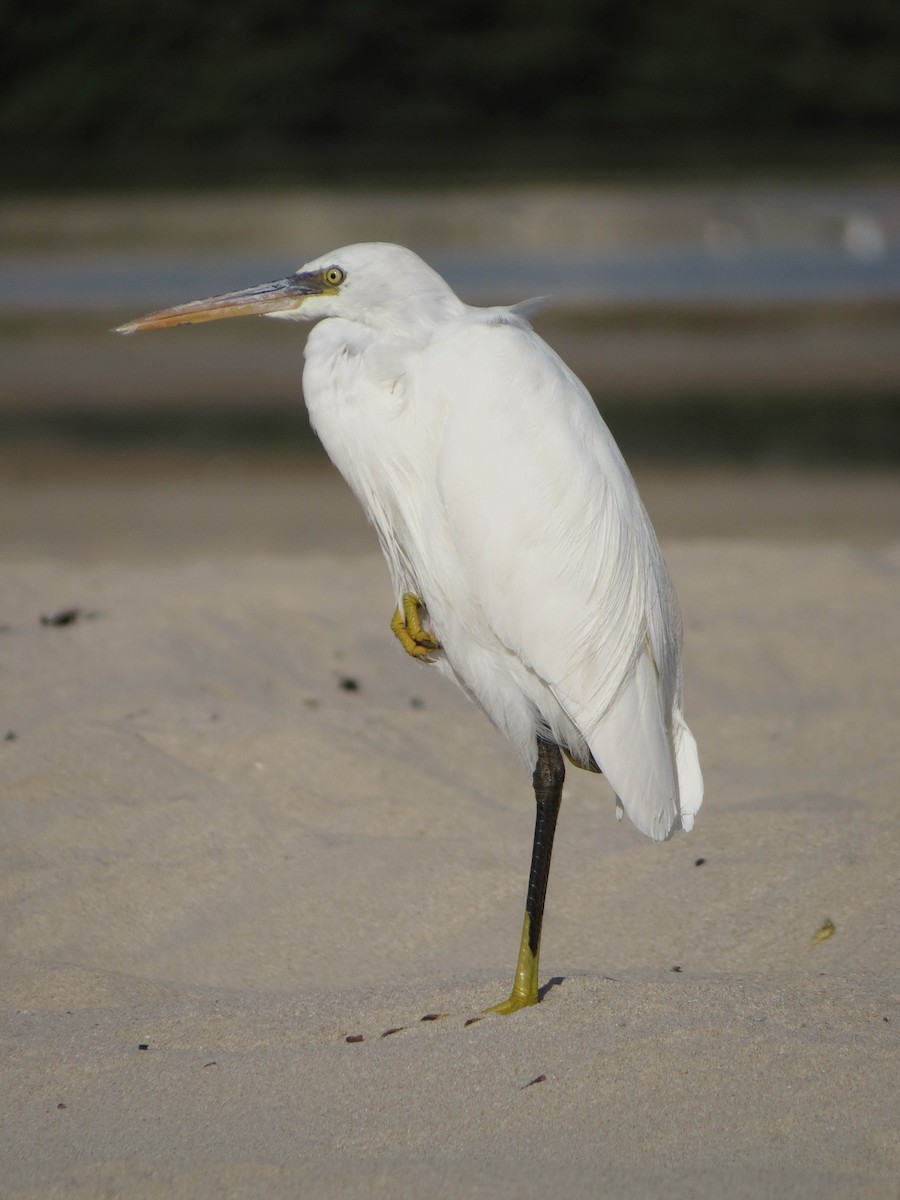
{"x": 505, "y": 510}
{"x": 501, "y": 499}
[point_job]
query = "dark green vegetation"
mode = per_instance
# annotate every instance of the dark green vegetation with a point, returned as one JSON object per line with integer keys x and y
{"x": 128, "y": 92}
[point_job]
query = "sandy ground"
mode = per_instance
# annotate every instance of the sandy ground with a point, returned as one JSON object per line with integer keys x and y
{"x": 239, "y": 827}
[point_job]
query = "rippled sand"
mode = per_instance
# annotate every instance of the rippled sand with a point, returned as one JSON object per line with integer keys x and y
{"x": 240, "y": 827}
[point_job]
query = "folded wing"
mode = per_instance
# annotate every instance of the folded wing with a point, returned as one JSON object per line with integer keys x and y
{"x": 564, "y": 562}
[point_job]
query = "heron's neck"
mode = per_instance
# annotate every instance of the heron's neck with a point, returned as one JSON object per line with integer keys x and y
{"x": 418, "y": 319}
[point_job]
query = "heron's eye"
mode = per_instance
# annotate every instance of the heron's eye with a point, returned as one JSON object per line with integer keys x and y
{"x": 333, "y": 276}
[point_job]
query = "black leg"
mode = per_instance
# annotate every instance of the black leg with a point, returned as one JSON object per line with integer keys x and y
{"x": 548, "y": 783}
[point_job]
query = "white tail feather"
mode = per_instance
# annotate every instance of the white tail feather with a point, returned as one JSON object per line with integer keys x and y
{"x": 632, "y": 749}
{"x": 690, "y": 778}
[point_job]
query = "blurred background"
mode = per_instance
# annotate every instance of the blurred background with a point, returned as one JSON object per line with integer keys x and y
{"x": 708, "y": 192}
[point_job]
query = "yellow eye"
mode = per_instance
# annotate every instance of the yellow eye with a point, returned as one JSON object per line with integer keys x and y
{"x": 333, "y": 276}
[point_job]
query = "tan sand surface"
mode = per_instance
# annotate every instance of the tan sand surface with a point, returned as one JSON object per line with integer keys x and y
{"x": 239, "y": 826}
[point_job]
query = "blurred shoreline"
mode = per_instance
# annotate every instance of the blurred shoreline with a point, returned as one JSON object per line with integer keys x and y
{"x": 752, "y": 323}
{"x": 60, "y": 500}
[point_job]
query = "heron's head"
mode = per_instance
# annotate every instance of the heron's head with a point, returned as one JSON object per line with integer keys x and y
{"x": 374, "y": 283}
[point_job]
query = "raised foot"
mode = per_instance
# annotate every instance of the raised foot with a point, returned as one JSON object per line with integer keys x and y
{"x": 407, "y": 628}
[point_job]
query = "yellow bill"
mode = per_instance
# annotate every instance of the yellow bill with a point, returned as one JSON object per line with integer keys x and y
{"x": 281, "y": 295}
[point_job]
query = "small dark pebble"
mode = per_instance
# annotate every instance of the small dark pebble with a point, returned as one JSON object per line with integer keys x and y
{"x": 349, "y": 684}
{"x": 396, "y": 1029}
{"x": 532, "y": 1082}
{"x": 677, "y": 970}
{"x": 888, "y": 1019}
{"x": 698, "y": 862}
{"x": 60, "y": 1105}
{"x": 143, "y": 1046}
{"x": 65, "y": 616}
{"x": 354, "y": 1037}
{"x": 11, "y": 736}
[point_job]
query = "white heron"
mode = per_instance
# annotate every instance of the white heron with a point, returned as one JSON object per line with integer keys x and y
{"x": 523, "y": 562}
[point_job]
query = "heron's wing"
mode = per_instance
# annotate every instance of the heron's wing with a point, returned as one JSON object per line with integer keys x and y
{"x": 561, "y": 556}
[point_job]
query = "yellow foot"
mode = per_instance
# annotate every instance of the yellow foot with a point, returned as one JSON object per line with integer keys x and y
{"x": 515, "y": 1001}
{"x": 407, "y": 628}
{"x": 525, "y": 986}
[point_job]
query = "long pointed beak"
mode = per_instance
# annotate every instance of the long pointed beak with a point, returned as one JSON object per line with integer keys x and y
{"x": 281, "y": 295}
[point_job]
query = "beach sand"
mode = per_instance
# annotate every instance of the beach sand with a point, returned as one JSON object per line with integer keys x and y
{"x": 241, "y": 827}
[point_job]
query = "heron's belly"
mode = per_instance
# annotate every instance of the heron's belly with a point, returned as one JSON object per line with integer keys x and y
{"x": 513, "y": 696}
{"x": 389, "y": 457}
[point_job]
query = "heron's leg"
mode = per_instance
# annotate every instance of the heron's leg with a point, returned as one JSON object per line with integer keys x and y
{"x": 548, "y": 783}
{"x": 407, "y": 628}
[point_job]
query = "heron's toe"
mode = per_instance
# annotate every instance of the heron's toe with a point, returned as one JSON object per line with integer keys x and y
{"x": 407, "y": 628}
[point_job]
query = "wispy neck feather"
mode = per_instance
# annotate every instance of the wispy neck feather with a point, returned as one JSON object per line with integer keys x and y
{"x": 416, "y": 315}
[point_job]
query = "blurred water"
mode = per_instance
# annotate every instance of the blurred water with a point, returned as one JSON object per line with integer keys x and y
{"x": 131, "y": 281}
{"x": 806, "y": 367}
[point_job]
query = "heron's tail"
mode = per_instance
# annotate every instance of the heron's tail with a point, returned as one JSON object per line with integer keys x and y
{"x": 655, "y": 774}
{"x": 690, "y": 777}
